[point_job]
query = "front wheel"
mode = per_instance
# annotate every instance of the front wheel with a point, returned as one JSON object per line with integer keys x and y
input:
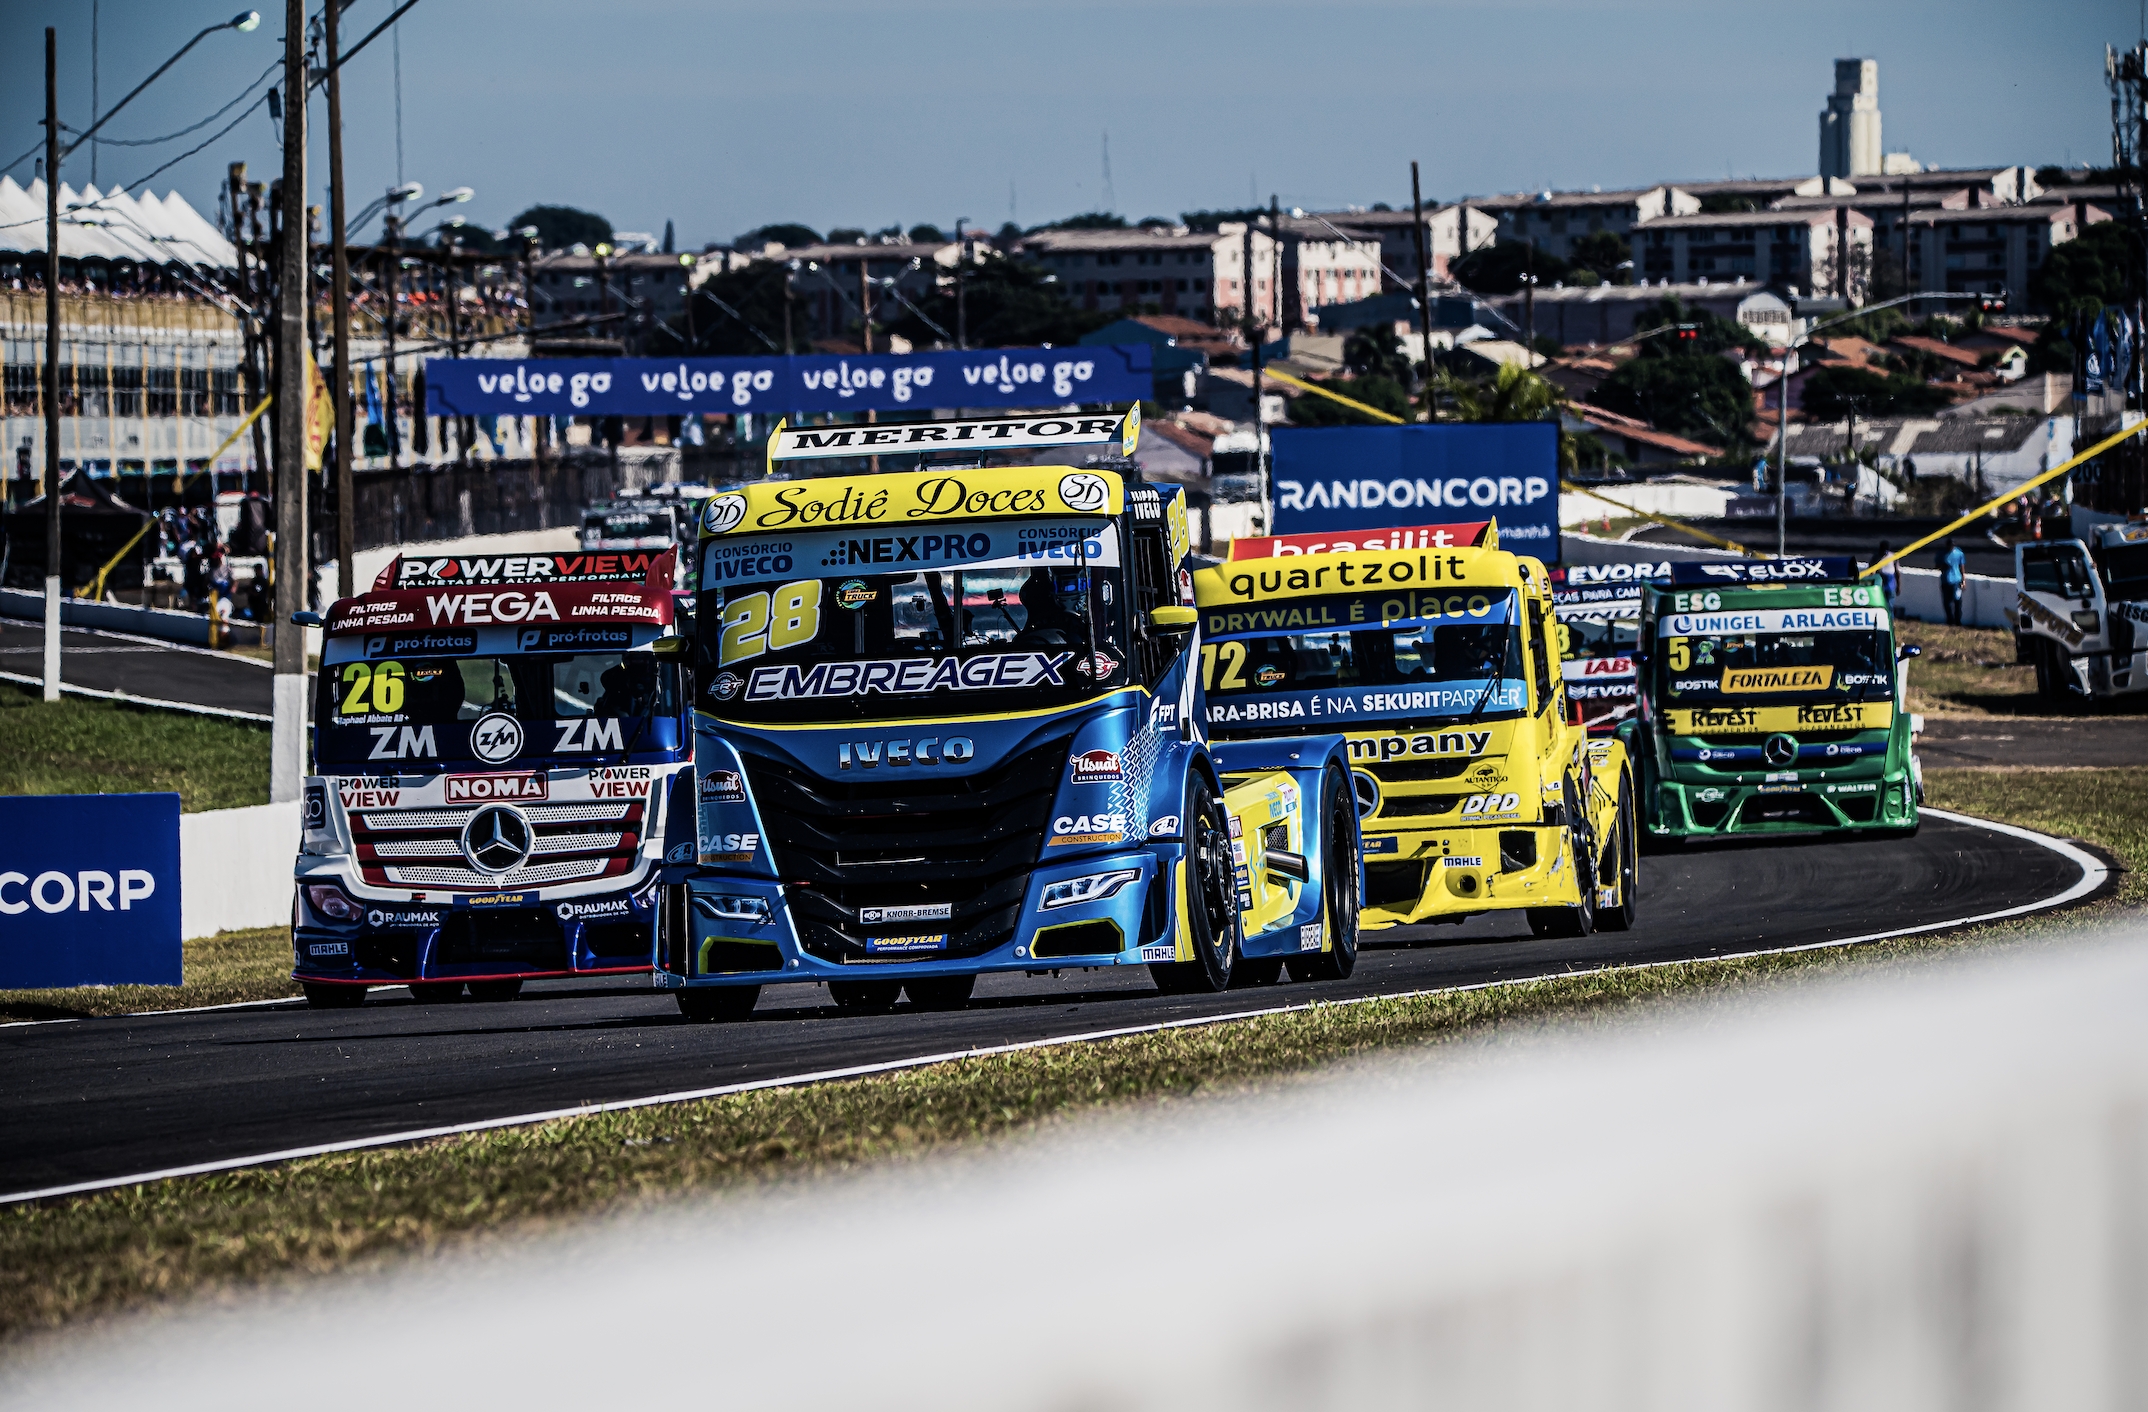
{"x": 333, "y": 997}
{"x": 1623, "y": 861}
{"x": 435, "y": 992}
{"x": 1211, "y": 918}
{"x": 1580, "y": 920}
{"x": 494, "y": 992}
{"x": 941, "y": 992}
{"x": 714, "y": 1003}
{"x": 1338, "y": 890}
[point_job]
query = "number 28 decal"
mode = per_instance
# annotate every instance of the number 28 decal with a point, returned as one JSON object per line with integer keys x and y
{"x": 770, "y": 622}
{"x": 1491, "y": 804}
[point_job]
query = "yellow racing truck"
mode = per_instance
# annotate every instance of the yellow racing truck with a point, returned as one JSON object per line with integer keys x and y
{"x": 1479, "y": 788}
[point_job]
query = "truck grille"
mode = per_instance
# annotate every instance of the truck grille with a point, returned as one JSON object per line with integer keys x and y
{"x": 913, "y": 838}
{"x": 423, "y": 847}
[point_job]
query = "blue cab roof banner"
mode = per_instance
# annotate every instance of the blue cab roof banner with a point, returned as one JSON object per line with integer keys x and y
{"x": 1791, "y": 570}
{"x": 1357, "y": 478}
{"x": 813, "y": 382}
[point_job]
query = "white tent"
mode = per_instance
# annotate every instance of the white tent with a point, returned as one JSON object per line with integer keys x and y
{"x": 112, "y": 225}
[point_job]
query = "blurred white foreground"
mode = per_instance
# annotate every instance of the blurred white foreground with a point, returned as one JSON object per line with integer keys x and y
{"x": 1925, "y": 1188}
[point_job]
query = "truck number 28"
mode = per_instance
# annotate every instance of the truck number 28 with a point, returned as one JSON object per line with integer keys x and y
{"x": 770, "y": 622}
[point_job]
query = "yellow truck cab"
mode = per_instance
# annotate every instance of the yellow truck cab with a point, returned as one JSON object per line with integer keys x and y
{"x": 1479, "y": 789}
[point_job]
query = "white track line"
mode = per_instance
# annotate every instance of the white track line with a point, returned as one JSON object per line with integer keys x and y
{"x": 2093, "y": 875}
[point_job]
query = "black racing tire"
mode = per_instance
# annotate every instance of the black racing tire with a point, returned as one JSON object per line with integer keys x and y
{"x": 1625, "y": 858}
{"x": 713, "y": 1003}
{"x": 435, "y": 992}
{"x": 1580, "y": 920}
{"x": 1212, "y": 900}
{"x": 941, "y": 992}
{"x": 1256, "y": 970}
{"x": 333, "y": 997}
{"x": 865, "y": 997}
{"x": 495, "y": 992}
{"x": 1338, "y": 889}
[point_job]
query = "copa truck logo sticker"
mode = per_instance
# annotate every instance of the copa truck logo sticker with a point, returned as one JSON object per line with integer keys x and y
{"x": 526, "y": 784}
{"x": 1164, "y": 827}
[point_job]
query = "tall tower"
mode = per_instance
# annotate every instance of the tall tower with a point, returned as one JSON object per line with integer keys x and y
{"x": 1850, "y": 124}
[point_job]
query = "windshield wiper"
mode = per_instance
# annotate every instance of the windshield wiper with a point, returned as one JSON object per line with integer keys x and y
{"x": 1489, "y": 690}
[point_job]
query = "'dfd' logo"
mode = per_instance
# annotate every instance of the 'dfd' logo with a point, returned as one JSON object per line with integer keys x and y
{"x": 497, "y": 839}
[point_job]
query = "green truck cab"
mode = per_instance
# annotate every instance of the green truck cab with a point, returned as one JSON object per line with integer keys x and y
{"x": 1772, "y": 702}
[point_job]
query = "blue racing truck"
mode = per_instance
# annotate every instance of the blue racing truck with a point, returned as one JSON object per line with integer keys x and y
{"x": 949, "y": 721}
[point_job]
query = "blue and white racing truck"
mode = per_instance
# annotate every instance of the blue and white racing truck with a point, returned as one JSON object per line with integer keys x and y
{"x": 950, "y": 721}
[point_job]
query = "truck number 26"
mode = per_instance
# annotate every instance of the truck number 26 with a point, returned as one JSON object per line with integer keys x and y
{"x": 384, "y": 681}
{"x": 770, "y": 622}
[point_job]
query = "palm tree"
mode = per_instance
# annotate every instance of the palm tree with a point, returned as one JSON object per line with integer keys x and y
{"x": 1514, "y": 394}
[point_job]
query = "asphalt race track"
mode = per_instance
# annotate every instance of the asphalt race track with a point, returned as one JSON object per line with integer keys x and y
{"x": 97, "y": 1100}
{"x": 163, "y": 672}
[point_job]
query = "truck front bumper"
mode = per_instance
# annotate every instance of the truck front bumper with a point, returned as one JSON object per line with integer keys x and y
{"x": 1446, "y": 875}
{"x": 1686, "y": 809}
{"x": 342, "y": 939}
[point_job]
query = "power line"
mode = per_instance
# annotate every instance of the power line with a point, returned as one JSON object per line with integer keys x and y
{"x": 185, "y": 131}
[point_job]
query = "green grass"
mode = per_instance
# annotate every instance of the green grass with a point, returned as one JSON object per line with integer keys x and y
{"x": 219, "y": 970}
{"x": 68, "y": 1259}
{"x": 78, "y": 746}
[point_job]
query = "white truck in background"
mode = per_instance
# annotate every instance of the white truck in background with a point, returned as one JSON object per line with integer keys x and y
{"x": 2081, "y": 613}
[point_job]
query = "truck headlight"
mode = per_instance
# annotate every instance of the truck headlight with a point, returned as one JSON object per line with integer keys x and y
{"x": 1094, "y": 887}
{"x": 2087, "y": 621}
{"x": 328, "y": 900}
{"x": 733, "y": 908}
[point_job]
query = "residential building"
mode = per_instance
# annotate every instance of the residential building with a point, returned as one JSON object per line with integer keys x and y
{"x": 1991, "y": 454}
{"x": 1182, "y": 346}
{"x": 642, "y": 290}
{"x": 1324, "y": 265}
{"x": 1194, "y": 274}
{"x": 1758, "y": 193}
{"x": 825, "y": 281}
{"x": 1554, "y": 220}
{"x": 1850, "y": 123}
{"x": 1637, "y": 442}
{"x": 1829, "y": 250}
{"x": 1450, "y": 233}
{"x": 1992, "y": 250}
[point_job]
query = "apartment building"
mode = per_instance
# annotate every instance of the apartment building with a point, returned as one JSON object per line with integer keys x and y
{"x": 1195, "y": 274}
{"x": 1450, "y": 233}
{"x": 1826, "y": 251}
{"x": 1990, "y": 250}
{"x": 1555, "y": 220}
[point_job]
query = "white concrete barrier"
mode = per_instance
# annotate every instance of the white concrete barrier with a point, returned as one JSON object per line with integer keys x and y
{"x": 235, "y": 868}
{"x": 1680, "y": 502}
{"x": 1924, "y": 1188}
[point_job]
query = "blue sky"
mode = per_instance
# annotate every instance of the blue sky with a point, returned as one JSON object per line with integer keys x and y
{"x": 723, "y": 116}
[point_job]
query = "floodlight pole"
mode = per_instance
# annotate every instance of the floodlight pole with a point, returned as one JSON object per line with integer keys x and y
{"x": 346, "y": 509}
{"x": 287, "y": 761}
{"x": 52, "y": 367}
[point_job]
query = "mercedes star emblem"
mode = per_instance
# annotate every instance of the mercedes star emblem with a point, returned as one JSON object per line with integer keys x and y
{"x": 1779, "y": 750}
{"x": 497, "y": 839}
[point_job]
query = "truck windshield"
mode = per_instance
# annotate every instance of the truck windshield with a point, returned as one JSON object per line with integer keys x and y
{"x": 628, "y": 529}
{"x": 452, "y": 708}
{"x": 2126, "y": 569}
{"x": 1775, "y": 656}
{"x": 954, "y": 619}
{"x": 1412, "y": 659}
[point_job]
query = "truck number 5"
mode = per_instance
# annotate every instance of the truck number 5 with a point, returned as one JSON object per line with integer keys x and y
{"x": 1681, "y": 655}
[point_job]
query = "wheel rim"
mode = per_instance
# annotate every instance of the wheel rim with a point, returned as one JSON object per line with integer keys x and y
{"x": 1212, "y": 858}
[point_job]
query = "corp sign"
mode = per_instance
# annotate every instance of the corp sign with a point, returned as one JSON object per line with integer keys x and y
{"x": 89, "y": 890}
{"x": 1357, "y": 478}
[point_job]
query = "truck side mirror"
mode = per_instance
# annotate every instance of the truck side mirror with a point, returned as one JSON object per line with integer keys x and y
{"x": 305, "y": 619}
{"x": 1908, "y": 650}
{"x": 1173, "y": 617}
{"x": 671, "y": 648}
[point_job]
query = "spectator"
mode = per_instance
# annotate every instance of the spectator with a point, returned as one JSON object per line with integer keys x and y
{"x": 1890, "y": 577}
{"x": 1953, "y": 573}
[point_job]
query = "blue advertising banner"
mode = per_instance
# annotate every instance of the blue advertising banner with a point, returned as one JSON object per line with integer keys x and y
{"x": 1358, "y": 478}
{"x": 642, "y": 387}
{"x": 89, "y": 890}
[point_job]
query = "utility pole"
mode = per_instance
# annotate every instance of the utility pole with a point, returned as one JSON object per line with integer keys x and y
{"x": 287, "y": 762}
{"x": 257, "y": 289}
{"x": 1424, "y": 289}
{"x": 1528, "y": 304}
{"x": 52, "y": 366}
{"x": 1260, "y": 438}
{"x": 962, "y": 279}
{"x": 391, "y": 236}
{"x": 346, "y": 504}
{"x": 1782, "y": 439}
{"x": 865, "y": 302}
{"x": 790, "y": 296}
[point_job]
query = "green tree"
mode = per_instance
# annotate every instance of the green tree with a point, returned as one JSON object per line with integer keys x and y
{"x": 1208, "y": 222}
{"x": 2102, "y": 263}
{"x": 1498, "y": 269}
{"x": 1010, "y": 304}
{"x": 1513, "y": 394}
{"x": 1713, "y": 334}
{"x": 927, "y": 234}
{"x": 1834, "y": 393}
{"x": 559, "y": 227}
{"x": 789, "y": 234}
{"x": 1376, "y": 351}
{"x": 1602, "y": 252}
{"x": 1698, "y": 395}
{"x": 1312, "y": 410}
{"x": 755, "y": 293}
{"x": 1087, "y": 220}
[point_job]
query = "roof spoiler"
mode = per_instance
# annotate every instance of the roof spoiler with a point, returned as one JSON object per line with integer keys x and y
{"x": 790, "y": 443}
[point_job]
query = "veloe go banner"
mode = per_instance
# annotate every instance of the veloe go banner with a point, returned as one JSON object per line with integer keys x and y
{"x": 89, "y": 890}
{"x": 816, "y": 382}
{"x": 1358, "y": 478}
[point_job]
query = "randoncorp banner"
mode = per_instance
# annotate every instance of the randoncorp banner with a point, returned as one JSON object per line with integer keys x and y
{"x": 642, "y": 387}
{"x": 89, "y": 890}
{"x": 1354, "y": 478}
